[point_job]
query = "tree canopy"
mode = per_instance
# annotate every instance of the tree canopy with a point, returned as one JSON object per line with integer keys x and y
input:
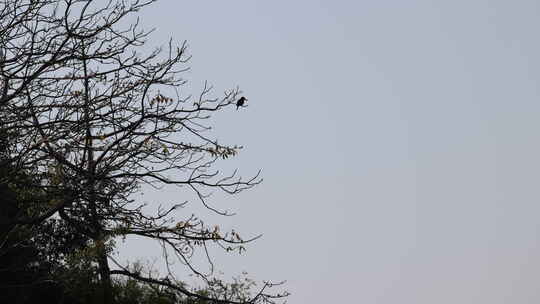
{"x": 90, "y": 114}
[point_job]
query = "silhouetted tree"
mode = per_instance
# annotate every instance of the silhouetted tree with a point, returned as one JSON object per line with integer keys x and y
{"x": 95, "y": 116}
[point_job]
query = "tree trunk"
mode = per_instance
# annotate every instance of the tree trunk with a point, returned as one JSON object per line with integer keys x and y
{"x": 105, "y": 275}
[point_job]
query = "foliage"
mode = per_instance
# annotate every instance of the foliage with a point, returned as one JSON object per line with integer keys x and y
{"x": 91, "y": 116}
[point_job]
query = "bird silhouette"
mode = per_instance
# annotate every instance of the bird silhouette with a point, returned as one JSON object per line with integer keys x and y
{"x": 240, "y": 102}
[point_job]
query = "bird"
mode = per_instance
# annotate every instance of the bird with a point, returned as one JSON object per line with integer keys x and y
{"x": 240, "y": 102}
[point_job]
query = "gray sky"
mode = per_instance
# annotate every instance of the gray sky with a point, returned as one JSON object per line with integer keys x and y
{"x": 399, "y": 142}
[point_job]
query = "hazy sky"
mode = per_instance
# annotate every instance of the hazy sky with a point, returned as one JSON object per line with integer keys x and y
{"x": 399, "y": 142}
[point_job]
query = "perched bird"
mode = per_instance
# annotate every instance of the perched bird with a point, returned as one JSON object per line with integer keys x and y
{"x": 240, "y": 102}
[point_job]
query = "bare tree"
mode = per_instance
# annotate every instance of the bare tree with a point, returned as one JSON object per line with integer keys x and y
{"x": 95, "y": 116}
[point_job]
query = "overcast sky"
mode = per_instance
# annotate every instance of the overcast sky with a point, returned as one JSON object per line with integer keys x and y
{"x": 399, "y": 143}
